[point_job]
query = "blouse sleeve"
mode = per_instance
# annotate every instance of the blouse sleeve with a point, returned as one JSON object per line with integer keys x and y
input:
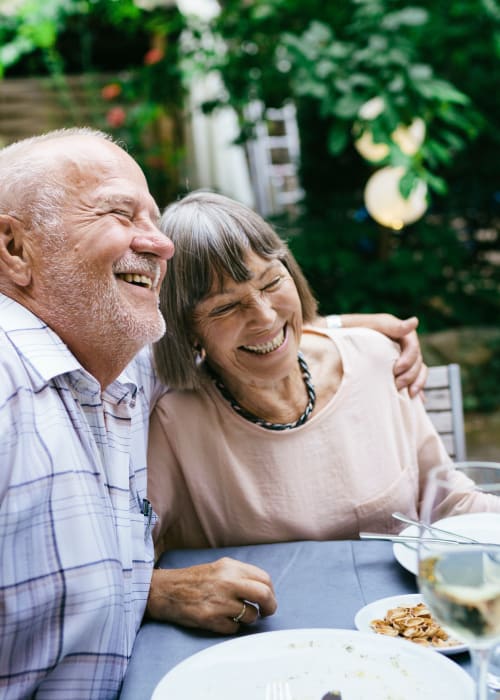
{"x": 178, "y": 524}
{"x": 432, "y": 452}
{"x": 166, "y": 485}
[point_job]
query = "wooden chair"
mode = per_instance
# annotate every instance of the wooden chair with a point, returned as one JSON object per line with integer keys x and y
{"x": 443, "y": 403}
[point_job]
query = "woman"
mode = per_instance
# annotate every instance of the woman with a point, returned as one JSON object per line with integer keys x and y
{"x": 274, "y": 430}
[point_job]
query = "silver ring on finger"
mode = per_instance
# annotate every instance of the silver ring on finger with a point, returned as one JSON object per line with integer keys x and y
{"x": 239, "y": 616}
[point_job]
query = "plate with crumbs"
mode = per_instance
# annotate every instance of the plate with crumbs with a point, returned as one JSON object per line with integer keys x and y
{"x": 312, "y": 662}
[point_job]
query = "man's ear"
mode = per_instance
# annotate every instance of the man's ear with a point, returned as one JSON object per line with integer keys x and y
{"x": 13, "y": 261}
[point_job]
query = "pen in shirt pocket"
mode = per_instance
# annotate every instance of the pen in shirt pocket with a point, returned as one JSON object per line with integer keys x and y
{"x": 147, "y": 511}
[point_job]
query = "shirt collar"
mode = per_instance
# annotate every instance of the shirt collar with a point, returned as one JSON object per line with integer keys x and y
{"x": 44, "y": 353}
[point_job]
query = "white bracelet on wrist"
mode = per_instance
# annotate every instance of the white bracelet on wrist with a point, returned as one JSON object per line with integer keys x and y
{"x": 333, "y": 321}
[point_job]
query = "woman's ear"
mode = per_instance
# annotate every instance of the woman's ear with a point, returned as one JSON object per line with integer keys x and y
{"x": 199, "y": 352}
{"x": 13, "y": 262}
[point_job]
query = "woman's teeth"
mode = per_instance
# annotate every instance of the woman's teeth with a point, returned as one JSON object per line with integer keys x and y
{"x": 267, "y": 347}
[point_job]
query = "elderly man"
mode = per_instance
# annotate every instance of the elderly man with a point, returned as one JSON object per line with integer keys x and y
{"x": 81, "y": 263}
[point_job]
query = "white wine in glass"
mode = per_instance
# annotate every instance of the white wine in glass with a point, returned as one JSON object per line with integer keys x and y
{"x": 460, "y": 581}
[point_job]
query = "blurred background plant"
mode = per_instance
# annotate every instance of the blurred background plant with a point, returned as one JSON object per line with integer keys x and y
{"x": 356, "y": 70}
{"x": 434, "y": 61}
{"x": 357, "y": 66}
{"x": 101, "y": 40}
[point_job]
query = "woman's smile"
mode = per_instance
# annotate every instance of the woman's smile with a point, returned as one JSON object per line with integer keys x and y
{"x": 270, "y": 346}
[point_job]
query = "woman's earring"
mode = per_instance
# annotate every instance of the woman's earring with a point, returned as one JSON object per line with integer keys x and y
{"x": 199, "y": 355}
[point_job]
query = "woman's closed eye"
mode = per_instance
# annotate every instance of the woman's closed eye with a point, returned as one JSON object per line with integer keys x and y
{"x": 225, "y": 309}
{"x": 273, "y": 284}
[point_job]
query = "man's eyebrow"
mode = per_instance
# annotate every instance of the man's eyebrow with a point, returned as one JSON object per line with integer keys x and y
{"x": 114, "y": 199}
{"x": 128, "y": 201}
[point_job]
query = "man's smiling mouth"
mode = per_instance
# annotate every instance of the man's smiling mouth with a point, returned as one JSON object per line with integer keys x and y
{"x": 134, "y": 278}
{"x": 139, "y": 270}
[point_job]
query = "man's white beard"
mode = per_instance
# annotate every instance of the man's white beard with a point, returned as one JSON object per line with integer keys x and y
{"x": 94, "y": 306}
{"x": 120, "y": 324}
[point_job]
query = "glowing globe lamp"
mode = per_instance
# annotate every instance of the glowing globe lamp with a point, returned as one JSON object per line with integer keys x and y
{"x": 387, "y": 205}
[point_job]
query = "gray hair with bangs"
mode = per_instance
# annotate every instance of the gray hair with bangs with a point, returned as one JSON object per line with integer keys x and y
{"x": 213, "y": 235}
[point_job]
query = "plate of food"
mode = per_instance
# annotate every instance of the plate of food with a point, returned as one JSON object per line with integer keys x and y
{"x": 314, "y": 662}
{"x": 484, "y": 527}
{"x": 407, "y": 618}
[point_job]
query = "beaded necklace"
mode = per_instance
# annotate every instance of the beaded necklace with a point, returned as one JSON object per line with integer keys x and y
{"x": 306, "y": 375}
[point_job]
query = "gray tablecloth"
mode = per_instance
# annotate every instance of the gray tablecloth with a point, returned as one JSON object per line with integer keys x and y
{"x": 317, "y": 584}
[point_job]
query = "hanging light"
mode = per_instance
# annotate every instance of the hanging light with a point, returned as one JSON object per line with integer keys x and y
{"x": 366, "y": 146}
{"x": 386, "y": 204}
{"x": 408, "y": 138}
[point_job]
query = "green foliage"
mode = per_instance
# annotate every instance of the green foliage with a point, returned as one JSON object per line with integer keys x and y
{"x": 436, "y": 61}
{"x": 342, "y": 76}
{"x": 143, "y": 101}
{"x": 330, "y": 57}
{"x": 433, "y": 268}
{"x": 347, "y": 54}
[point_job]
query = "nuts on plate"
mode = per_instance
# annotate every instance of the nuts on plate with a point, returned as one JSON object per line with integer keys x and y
{"x": 414, "y": 623}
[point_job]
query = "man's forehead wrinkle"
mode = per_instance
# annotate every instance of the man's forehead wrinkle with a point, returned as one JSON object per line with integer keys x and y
{"x": 117, "y": 198}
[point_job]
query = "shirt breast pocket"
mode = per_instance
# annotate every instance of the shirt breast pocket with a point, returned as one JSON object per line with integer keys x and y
{"x": 401, "y": 494}
{"x": 142, "y": 541}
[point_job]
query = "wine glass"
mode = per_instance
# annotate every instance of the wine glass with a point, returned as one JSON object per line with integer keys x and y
{"x": 459, "y": 580}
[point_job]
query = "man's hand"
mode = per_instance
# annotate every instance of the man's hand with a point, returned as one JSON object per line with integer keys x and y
{"x": 211, "y": 595}
{"x": 410, "y": 370}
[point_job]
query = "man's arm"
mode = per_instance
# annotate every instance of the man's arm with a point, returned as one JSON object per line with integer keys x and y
{"x": 211, "y": 595}
{"x": 410, "y": 370}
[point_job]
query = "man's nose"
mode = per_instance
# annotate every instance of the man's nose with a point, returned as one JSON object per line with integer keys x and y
{"x": 155, "y": 243}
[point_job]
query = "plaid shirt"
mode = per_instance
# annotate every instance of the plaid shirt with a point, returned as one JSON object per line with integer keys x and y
{"x": 76, "y": 551}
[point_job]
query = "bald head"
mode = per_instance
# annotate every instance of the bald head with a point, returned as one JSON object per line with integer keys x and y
{"x": 34, "y": 173}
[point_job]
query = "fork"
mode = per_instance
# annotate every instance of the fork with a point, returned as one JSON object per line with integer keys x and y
{"x": 278, "y": 690}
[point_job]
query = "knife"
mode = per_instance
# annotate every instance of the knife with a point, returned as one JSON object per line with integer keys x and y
{"x": 405, "y": 539}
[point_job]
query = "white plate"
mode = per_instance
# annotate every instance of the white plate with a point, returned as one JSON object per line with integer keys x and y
{"x": 480, "y": 526}
{"x": 315, "y": 661}
{"x": 378, "y": 610}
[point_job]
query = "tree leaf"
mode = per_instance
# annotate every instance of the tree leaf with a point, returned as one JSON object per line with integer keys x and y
{"x": 348, "y": 105}
{"x": 452, "y": 116}
{"x": 435, "y": 182}
{"x": 397, "y": 157}
{"x": 441, "y": 90}
{"x": 420, "y": 71}
{"x": 11, "y": 52}
{"x": 440, "y": 152}
{"x": 409, "y": 17}
{"x": 407, "y": 183}
{"x": 324, "y": 68}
